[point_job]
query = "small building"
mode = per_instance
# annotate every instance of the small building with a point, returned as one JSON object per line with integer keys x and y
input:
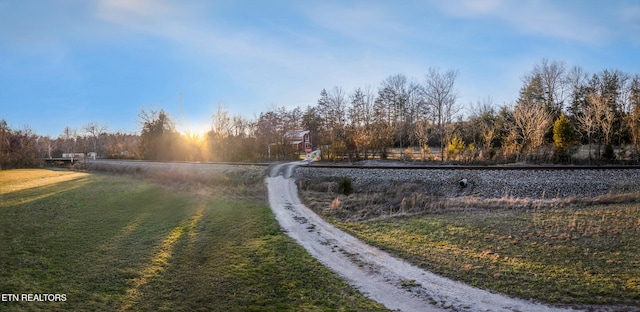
{"x": 297, "y": 138}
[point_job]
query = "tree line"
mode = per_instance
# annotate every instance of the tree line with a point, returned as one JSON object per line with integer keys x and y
{"x": 559, "y": 110}
{"x": 23, "y": 148}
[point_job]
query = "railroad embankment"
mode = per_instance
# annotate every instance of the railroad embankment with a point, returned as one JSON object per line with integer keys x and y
{"x": 375, "y": 192}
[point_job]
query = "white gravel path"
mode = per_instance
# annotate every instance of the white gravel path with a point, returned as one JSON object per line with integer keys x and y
{"x": 394, "y": 283}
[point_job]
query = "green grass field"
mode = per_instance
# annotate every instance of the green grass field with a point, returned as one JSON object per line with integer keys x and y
{"x": 580, "y": 256}
{"x": 120, "y": 244}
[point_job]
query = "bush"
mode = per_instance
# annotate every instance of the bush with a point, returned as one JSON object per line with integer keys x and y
{"x": 564, "y": 136}
{"x": 455, "y": 148}
{"x": 345, "y": 186}
{"x": 608, "y": 153}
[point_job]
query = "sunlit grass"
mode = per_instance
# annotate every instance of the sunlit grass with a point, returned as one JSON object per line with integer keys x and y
{"x": 28, "y": 185}
{"x": 113, "y": 243}
{"x": 21, "y": 179}
{"x": 567, "y": 255}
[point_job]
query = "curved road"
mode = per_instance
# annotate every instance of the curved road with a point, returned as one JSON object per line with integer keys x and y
{"x": 394, "y": 283}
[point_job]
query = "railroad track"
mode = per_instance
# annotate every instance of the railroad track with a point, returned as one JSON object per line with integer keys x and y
{"x": 411, "y": 166}
{"x": 478, "y": 167}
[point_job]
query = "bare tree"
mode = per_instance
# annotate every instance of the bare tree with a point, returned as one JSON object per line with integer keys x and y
{"x": 332, "y": 108}
{"x": 441, "y": 96}
{"x": 361, "y": 117}
{"x": 633, "y": 118}
{"x": 44, "y": 145}
{"x": 531, "y": 122}
{"x": 240, "y": 126}
{"x": 555, "y": 85}
{"x": 416, "y": 110}
{"x": 69, "y": 139}
{"x": 421, "y": 132}
{"x": 221, "y": 126}
{"x": 483, "y": 124}
{"x": 382, "y": 129}
{"x": 421, "y": 117}
{"x": 603, "y": 116}
{"x": 576, "y": 77}
{"x": 587, "y": 123}
{"x": 395, "y": 90}
{"x": 94, "y": 129}
{"x": 577, "y": 80}
{"x": 268, "y": 133}
{"x": 312, "y": 121}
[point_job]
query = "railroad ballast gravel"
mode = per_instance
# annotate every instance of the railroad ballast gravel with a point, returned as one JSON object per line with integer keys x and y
{"x": 534, "y": 184}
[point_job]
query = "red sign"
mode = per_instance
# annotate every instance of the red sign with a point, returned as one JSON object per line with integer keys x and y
{"x": 307, "y": 147}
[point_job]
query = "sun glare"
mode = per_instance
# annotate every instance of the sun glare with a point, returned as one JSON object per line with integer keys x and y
{"x": 194, "y": 134}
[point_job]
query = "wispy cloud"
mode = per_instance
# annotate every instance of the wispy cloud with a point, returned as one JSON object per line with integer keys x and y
{"x": 289, "y": 67}
{"x": 369, "y": 22}
{"x": 182, "y": 26}
{"x": 472, "y": 7}
{"x": 540, "y": 18}
{"x": 629, "y": 17}
{"x": 148, "y": 16}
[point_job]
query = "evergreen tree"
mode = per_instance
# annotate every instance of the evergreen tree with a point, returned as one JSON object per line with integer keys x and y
{"x": 157, "y": 135}
{"x": 533, "y": 91}
{"x": 563, "y": 137}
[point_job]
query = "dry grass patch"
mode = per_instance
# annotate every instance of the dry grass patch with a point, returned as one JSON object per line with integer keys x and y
{"x": 412, "y": 199}
{"x": 575, "y": 256}
{"x": 223, "y": 181}
{"x": 568, "y": 251}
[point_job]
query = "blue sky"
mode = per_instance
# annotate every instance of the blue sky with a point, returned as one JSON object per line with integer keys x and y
{"x": 71, "y": 62}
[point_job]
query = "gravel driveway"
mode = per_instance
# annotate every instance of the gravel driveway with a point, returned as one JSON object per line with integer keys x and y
{"x": 383, "y": 278}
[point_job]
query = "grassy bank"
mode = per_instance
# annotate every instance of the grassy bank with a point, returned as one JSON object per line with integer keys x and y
{"x": 574, "y": 256}
{"x": 116, "y": 243}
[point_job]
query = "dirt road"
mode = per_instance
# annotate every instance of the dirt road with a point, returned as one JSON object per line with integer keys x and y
{"x": 388, "y": 280}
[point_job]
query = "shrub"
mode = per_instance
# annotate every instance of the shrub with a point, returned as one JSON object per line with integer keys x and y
{"x": 345, "y": 186}
{"x": 564, "y": 136}
{"x": 455, "y": 148}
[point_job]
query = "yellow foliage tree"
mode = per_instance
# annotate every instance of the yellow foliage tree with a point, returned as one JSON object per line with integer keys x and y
{"x": 455, "y": 148}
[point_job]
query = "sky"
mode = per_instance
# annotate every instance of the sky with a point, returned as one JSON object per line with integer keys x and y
{"x": 66, "y": 63}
